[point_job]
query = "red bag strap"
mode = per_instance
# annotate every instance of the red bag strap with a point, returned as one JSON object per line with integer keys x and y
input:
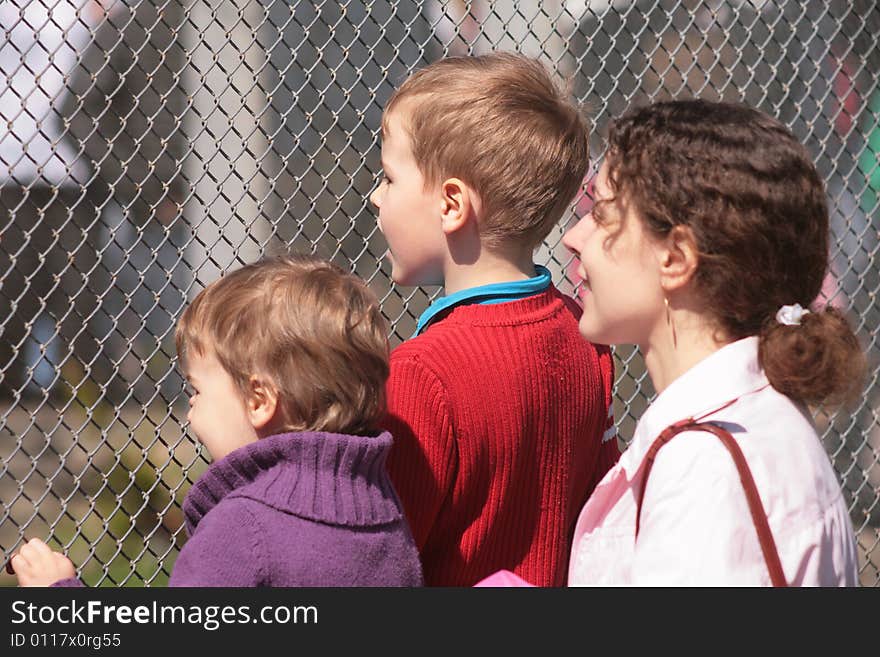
{"x": 759, "y": 516}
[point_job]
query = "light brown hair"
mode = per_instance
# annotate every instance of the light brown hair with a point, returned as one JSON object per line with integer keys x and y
{"x": 752, "y": 198}
{"x": 499, "y": 123}
{"x": 308, "y": 328}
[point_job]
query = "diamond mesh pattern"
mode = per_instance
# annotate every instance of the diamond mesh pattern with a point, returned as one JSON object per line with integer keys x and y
{"x": 146, "y": 147}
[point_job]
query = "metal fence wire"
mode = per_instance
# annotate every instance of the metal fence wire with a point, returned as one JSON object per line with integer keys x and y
{"x": 146, "y": 147}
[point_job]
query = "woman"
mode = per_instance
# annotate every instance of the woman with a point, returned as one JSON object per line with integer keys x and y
{"x": 706, "y": 246}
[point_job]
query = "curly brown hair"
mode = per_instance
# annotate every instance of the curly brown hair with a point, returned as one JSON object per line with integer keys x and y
{"x": 750, "y": 194}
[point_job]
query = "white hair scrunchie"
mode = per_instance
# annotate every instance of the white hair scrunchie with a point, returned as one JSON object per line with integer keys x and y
{"x": 791, "y": 315}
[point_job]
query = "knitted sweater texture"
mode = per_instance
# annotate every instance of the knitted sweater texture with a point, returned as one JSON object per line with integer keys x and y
{"x": 498, "y": 413}
{"x": 297, "y": 509}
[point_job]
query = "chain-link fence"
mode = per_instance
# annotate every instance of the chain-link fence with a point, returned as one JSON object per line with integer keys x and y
{"x": 145, "y": 147}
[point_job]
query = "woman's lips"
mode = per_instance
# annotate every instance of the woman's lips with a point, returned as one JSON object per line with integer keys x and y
{"x": 582, "y": 287}
{"x": 585, "y": 279}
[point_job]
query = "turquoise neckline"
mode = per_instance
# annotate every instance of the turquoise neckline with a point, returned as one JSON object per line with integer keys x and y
{"x": 487, "y": 294}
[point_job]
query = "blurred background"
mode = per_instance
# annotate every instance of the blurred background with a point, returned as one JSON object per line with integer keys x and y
{"x": 147, "y": 147}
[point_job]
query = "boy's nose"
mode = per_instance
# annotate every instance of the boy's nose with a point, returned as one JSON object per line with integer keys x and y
{"x": 374, "y": 196}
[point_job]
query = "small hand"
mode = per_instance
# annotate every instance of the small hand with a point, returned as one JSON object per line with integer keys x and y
{"x": 37, "y": 565}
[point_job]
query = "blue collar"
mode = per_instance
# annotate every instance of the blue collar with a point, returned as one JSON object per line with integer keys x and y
{"x": 486, "y": 294}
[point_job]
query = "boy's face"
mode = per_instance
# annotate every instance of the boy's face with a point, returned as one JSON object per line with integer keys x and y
{"x": 409, "y": 213}
{"x": 217, "y": 412}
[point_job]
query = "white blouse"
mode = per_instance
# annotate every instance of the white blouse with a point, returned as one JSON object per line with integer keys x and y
{"x": 696, "y": 528}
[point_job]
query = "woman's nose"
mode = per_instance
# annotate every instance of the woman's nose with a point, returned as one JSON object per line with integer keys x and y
{"x": 573, "y": 237}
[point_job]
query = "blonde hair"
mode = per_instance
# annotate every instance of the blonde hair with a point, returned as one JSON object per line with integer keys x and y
{"x": 305, "y": 326}
{"x": 500, "y": 124}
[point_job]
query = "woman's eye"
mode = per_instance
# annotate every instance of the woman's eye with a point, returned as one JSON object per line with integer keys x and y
{"x": 598, "y": 213}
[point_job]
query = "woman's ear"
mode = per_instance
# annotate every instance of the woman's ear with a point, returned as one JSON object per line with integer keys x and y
{"x": 262, "y": 404}
{"x": 458, "y": 204}
{"x": 679, "y": 258}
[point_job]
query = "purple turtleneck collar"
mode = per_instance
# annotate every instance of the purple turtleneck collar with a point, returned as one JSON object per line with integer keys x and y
{"x": 332, "y": 478}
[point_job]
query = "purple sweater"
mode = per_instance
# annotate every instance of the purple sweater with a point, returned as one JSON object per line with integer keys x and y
{"x": 297, "y": 509}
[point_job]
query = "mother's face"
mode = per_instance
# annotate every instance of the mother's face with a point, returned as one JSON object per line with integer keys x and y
{"x": 620, "y": 266}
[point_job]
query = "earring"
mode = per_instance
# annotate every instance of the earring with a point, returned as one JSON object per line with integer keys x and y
{"x": 670, "y": 323}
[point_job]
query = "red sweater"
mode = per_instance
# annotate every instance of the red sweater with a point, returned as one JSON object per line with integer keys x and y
{"x": 498, "y": 413}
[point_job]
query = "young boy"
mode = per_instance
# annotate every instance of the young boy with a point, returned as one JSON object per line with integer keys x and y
{"x": 499, "y": 410}
{"x": 287, "y": 359}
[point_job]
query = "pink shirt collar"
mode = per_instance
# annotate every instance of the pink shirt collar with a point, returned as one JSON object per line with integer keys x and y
{"x": 728, "y": 374}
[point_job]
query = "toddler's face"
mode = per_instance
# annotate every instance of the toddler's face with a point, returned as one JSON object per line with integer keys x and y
{"x": 217, "y": 412}
{"x": 409, "y": 214}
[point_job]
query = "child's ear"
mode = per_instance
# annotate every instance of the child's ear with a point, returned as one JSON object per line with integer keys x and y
{"x": 679, "y": 258}
{"x": 458, "y": 204}
{"x": 262, "y": 403}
